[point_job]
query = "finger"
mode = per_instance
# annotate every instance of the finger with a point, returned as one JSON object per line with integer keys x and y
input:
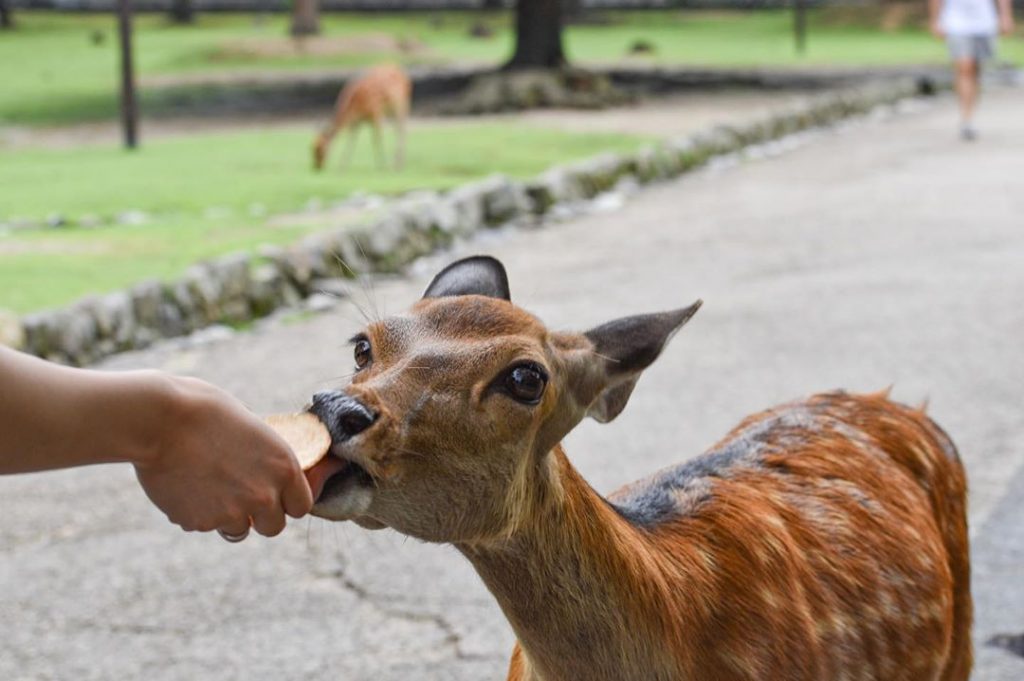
{"x": 269, "y": 522}
{"x": 297, "y": 497}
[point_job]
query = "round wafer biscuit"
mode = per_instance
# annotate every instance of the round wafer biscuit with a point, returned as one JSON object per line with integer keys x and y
{"x": 305, "y": 434}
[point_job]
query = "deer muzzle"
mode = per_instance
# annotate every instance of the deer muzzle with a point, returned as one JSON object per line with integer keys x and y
{"x": 342, "y": 488}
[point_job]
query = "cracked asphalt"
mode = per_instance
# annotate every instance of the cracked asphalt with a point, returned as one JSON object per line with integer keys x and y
{"x": 883, "y": 253}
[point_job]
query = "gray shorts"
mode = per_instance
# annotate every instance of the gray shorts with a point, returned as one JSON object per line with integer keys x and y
{"x": 977, "y": 48}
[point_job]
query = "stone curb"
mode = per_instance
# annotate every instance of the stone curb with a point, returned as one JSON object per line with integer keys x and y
{"x": 240, "y": 287}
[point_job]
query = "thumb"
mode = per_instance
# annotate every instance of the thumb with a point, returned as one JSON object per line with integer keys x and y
{"x": 297, "y": 497}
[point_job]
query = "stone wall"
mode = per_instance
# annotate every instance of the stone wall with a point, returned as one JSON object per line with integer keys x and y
{"x": 240, "y": 287}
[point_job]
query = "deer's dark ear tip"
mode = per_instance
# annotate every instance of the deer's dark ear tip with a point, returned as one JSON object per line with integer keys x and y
{"x": 687, "y": 312}
{"x": 677, "y": 319}
{"x": 479, "y": 275}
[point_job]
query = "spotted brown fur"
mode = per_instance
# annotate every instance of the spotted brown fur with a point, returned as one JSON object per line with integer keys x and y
{"x": 824, "y": 539}
{"x": 830, "y": 537}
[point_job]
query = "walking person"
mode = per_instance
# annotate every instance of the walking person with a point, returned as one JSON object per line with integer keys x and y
{"x": 970, "y": 28}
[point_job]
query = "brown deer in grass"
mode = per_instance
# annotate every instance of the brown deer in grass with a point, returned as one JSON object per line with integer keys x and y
{"x": 380, "y": 93}
{"x": 824, "y": 539}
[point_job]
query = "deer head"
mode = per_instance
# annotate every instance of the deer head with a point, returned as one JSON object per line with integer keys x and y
{"x": 320, "y": 145}
{"x": 446, "y": 430}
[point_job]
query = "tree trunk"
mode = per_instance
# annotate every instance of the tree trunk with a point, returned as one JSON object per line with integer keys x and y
{"x": 6, "y": 20}
{"x": 129, "y": 104}
{"x": 573, "y": 10}
{"x": 800, "y": 25}
{"x": 305, "y": 17}
{"x": 538, "y": 35}
{"x": 182, "y": 12}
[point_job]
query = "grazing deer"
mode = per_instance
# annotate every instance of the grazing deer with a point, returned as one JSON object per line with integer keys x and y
{"x": 821, "y": 540}
{"x": 382, "y": 92}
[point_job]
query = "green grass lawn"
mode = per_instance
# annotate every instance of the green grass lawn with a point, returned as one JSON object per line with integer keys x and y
{"x": 59, "y": 68}
{"x": 201, "y": 191}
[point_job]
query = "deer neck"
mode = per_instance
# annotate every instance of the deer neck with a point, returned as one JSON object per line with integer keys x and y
{"x": 582, "y": 588}
{"x": 330, "y": 132}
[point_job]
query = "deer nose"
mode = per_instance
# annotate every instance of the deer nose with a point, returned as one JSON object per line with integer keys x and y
{"x": 344, "y": 415}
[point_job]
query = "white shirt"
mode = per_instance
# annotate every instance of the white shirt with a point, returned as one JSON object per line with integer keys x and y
{"x": 969, "y": 17}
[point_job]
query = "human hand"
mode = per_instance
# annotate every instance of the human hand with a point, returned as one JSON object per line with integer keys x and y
{"x": 215, "y": 466}
{"x": 1006, "y": 24}
{"x": 937, "y": 31}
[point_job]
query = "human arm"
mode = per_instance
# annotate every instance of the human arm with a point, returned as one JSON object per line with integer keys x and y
{"x": 1005, "y": 16}
{"x": 199, "y": 454}
{"x": 934, "y": 12}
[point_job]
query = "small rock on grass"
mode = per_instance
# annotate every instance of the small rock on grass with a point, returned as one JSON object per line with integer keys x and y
{"x": 12, "y": 333}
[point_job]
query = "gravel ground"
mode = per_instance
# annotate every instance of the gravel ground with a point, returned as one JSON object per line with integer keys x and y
{"x": 884, "y": 253}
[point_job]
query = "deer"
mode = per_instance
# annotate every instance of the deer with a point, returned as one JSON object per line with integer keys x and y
{"x": 823, "y": 539}
{"x": 382, "y": 92}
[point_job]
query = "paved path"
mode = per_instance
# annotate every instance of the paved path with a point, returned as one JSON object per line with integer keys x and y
{"x": 885, "y": 253}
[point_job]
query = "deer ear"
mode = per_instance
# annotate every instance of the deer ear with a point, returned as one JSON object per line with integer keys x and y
{"x": 625, "y": 347}
{"x": 480, "y": 275}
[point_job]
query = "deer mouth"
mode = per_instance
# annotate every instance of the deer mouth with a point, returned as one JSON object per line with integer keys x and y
{"x": 342, "y": 489}
{"x": 333, "y": 474}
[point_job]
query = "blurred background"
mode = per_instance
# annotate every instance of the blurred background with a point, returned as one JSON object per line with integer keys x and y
{"x": 796, "y": 164}
{"x": 231, "y": 94}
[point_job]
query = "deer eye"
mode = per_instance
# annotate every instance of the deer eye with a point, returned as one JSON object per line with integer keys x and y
{"x": 362, "y": 353}
{"x": 525, "y": 383}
